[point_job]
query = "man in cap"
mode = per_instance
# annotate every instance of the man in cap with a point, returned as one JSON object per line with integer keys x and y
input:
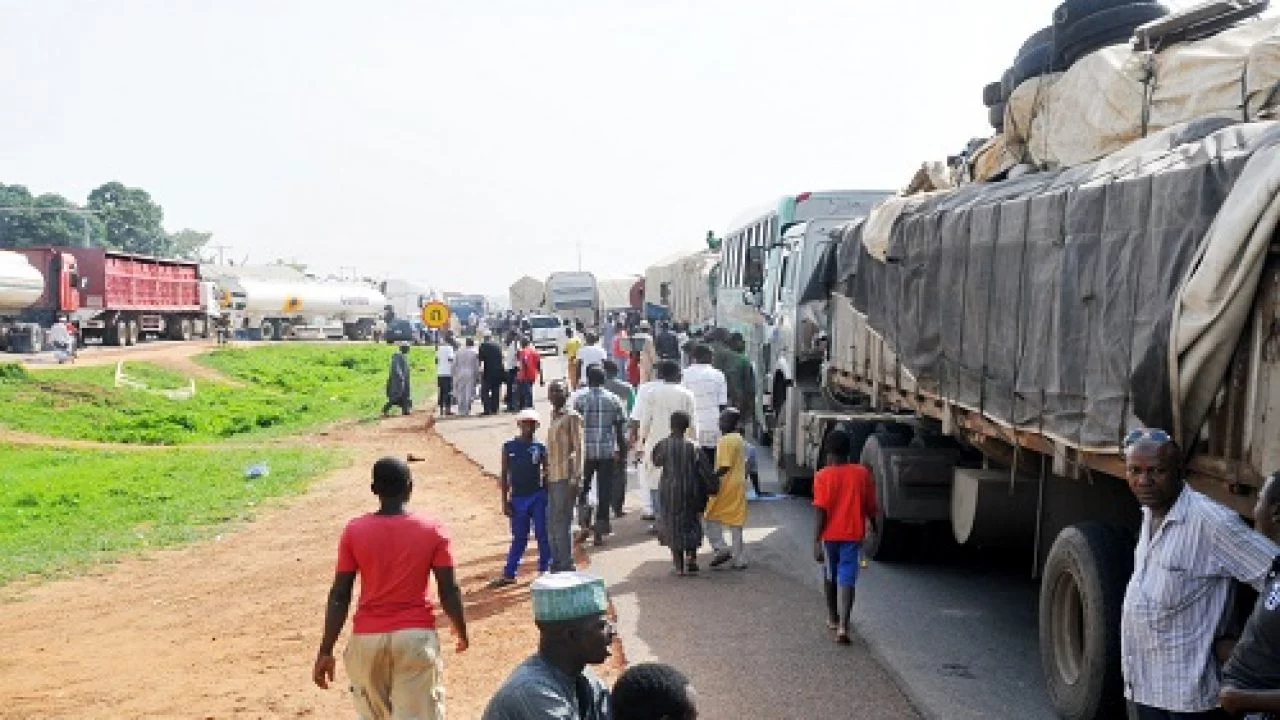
{"x": 524, "y": 495}
{"x": 393, "y": 656}
{"x": 571, "y": 612}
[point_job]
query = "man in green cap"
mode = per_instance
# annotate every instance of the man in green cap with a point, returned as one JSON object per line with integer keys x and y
{"x": 571, "y": 611}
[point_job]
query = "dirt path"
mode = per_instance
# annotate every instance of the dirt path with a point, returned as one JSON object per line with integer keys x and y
{"x": 173, "y": 355}
{"x": 229, "y": 627}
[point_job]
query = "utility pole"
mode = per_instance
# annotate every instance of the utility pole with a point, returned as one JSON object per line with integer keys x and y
{"x": 579, "y": 256}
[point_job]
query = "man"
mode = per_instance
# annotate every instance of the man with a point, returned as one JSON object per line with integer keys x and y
{"x": 399, "y": 390}
{"x": 620, "y": 348}
{"x": 511, "y": 363}
{"x": 1189, "y": 550}
{"x": 651, "y": 422}
{"x": 572, "y": 344}
{"x": 684, "y": 488}
{"x": 642, "y": 351}
{"x": 654, "y": 691}
{"x": 741, "y": 379}
{"x": 564, "y": 475}
{"x": 666, "y": 344}
{"x": 1251, "y": 678}
{"x": 604, "y": 440}
{"x": 844, "y": 503}
{"x": 445, "y": 356}
{"x": 627, "y": 395}
{"x": 466, "y": 370}
{"x": 711, "y": 397}
{"x": 528, "y": 369}
{"x": 571, "y": 612}
{"x": 62, "y": 340}
{"x": 721, "y": 355}
{"x": 393, "y": 656}
{"x": 492, "y": 374}
{"x": 522, "y": 482}
{"x": 727, "y": 507}
{"x": 591, "y": 354}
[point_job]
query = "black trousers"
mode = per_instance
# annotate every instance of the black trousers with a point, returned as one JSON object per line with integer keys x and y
{"x": 1144, "y": 712}
{"x": 511, "y": 397}
{"x": 446, "y": 392}
{"x": 490, "y": 392}
{"x": 602, "y": 472}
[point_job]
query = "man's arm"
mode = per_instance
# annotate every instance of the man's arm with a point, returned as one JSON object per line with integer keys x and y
{"x": 335, "y": 616}
{"x": 1244, "y": 553}
{"x": 451, "y": 603}
{"x": 504, "y": 485}
{"x": 1237, "y": 701}
{"x": 620, "y": 428}
{"x": 579, "y": 452}
{"x": 819, "y": 525}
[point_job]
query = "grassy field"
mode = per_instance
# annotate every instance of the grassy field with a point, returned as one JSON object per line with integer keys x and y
{"x": 286, "y": 388}
{"x": 63, "y": 509}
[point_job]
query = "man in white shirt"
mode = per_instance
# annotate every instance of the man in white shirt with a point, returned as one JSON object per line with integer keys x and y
{"x": 711, "y": 397}
{"x": 511, "y": 362}
{"x": 1190, "y": 549}
{"x": 590, "y": 354}
{"x": 446, "y": 353}
{"x": 651, "y": 422}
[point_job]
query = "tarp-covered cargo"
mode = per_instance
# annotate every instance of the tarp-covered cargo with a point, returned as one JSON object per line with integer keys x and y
{"x": 1084, "y": 302}
{"x": 681, "y": 284}
{"x": 615, "y": 295}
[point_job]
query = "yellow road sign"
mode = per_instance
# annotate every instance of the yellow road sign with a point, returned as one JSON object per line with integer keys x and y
{"x": 435, "y": 315}
{"x": 293, "y": 304}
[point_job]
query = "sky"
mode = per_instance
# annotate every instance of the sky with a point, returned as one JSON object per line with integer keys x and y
{"x": 466, "y": 143}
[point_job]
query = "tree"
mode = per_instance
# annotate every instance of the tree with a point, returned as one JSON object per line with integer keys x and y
{"x": 48, "y": 219}
{"x": 188, "y": 243}
{"x": 131, "y": 221}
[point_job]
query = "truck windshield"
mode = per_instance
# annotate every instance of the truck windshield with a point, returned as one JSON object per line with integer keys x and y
{"x": 543, "y": 323}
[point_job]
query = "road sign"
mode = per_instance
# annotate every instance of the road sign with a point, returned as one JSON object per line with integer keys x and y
{"x": 435, "y": 315}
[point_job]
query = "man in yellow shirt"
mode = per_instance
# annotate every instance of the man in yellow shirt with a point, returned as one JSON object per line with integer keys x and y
{"x": 728, "y": 507}
{"x": 572, "y": 344}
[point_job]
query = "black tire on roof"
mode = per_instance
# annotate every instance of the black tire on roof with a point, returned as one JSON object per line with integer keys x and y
{"x": 1043, "y": 36}
{"x": 992, "y": 93}
{"x": 995, "y": 116}
{"x": 1072, "y": 10}
{"x": 1033, "y": 64}
{"x": 1105, "y": 27}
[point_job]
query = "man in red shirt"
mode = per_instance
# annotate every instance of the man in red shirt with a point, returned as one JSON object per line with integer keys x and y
{"x": 393, "y": 656}
{"x": 844, "y": 500}
{"x": 528, "y": 369}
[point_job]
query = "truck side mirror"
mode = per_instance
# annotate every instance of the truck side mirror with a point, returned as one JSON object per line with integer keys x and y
{"x": 753, "y": 272}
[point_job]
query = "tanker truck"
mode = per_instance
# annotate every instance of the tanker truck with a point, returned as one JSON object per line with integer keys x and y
{"x": 115, "y": 297}
{"x": 297, "y": 309}
{"x": 988, "y": 348}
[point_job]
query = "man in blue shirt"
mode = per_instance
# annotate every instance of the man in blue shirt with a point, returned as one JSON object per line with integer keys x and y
{"x": 524, "y": 495}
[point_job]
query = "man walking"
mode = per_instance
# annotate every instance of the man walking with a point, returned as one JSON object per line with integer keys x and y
{"x": 572, "y": 613}
{"x": 651, "y": 423}
{"x": 528, "y": 369}
{"x": 666, "y": 344}
{"x": 466, "y": 370}
{"x": 492, "y": 374}
{"x": 393, "y": 656}
{"x": 564, "y": 475}
{"x": 511, "y": 362}
{"x": 524, "y": 496}
{"x": 1189, "y": 550}
{"x": 627, "y": 395}
{"x": 620, "y": 348}
{"x": 445, "y": 356}
{"x": 572, "y": 344}
{"x": 590, "y": 354}
{"x": 399, "y": 389}
{"x": 844, "y": 502}
{"x": 603, "y": 426}
{"x": 741, "y": 379}
{"x": 711, "y": 397}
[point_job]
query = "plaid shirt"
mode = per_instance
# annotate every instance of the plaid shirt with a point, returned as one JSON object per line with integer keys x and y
{"x": 603, "y": 416}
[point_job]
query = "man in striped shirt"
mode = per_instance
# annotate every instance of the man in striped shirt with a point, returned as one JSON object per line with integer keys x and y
{"x": 1175, "y": 606}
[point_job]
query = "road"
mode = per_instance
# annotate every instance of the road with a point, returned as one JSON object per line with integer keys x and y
{"x": 957, "y": 641}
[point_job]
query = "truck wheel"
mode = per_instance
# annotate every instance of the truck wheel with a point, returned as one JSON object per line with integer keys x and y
{"x": 893, "y": 540}
{"x": 268, "y": 330}
{"x": 1080, "y": 597}
{"x": 283, "y": 330}
{"x": 117, "y": 333}
{"x": 133, "y": 333}
{"x": 184, "y": 329}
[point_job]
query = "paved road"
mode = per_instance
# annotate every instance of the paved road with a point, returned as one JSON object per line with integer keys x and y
{"x": 959, "y": 641}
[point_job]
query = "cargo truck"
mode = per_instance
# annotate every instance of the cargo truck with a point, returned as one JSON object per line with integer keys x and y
{"x": 114, "y": 297}
{"x": 574, "y": 296}
{"x": 988, "y": 349}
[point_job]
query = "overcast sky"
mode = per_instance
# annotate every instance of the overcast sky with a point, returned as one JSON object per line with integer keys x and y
{"x": 468, "y": 142}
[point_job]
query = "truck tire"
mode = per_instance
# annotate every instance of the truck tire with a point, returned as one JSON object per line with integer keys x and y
{"x": 184, "y": 329}
{"x": 1106, "y": 27}
{"x": 268, "y": 330}
{"x": 133, "y": 335}
{"x": 992, "y": 94}
{"x": 1072, "y": 10}
{"x": 1081, "y": 592}
{"x": 283, "y": 330}
{"x": 995, "y": 116}
{"x": 117, "y": 333}
{"x": 894, "y": 540}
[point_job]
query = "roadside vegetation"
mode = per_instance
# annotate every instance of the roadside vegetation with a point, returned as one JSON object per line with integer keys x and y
{"x": 62, "y": 509}
{"x": 283, "y": 388}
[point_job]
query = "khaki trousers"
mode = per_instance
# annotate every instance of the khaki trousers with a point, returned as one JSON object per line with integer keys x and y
{"x": 396, "y": 675}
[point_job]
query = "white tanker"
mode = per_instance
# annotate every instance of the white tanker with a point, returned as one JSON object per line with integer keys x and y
{"x": 21, "y": 285}
{"x": 282, "y": 309}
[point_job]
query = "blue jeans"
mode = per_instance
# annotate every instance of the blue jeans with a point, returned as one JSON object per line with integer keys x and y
{"x": 525, "y": 510}
{"x": 524, "y": 394}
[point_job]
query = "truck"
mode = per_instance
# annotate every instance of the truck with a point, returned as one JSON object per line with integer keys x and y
{"x": 302, "y": 309}
{"x": 574, "y": 296}
{"x": 989, "y": 348}
{"x": 406, "y": 299}
{"x": 114, "y": 297}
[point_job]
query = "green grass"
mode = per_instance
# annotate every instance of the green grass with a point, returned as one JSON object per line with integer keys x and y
{"x": 63, "y": 509}
{"x": 285, "y": 388}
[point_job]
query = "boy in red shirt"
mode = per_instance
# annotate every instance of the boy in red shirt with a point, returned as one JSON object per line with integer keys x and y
{"x": 393, "y": 656}
{"x": 528, "y": 369}
{"x": 844, "y": 500}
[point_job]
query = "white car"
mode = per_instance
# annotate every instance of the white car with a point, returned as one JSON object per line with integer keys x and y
{"x": 547, "y": 333}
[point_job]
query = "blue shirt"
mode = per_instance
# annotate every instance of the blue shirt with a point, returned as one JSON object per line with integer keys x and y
{"x": 524, "y": 465}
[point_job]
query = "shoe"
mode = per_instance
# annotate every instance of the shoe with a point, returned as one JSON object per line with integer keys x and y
{"x": 721, "y": 558}
{"x": 647, "y": 517}
{"x": 501, "y": 581}
{"x": 620, "y": 513}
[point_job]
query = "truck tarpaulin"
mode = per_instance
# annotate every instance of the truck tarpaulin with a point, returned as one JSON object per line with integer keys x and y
{"x": 1084, "y": 302}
